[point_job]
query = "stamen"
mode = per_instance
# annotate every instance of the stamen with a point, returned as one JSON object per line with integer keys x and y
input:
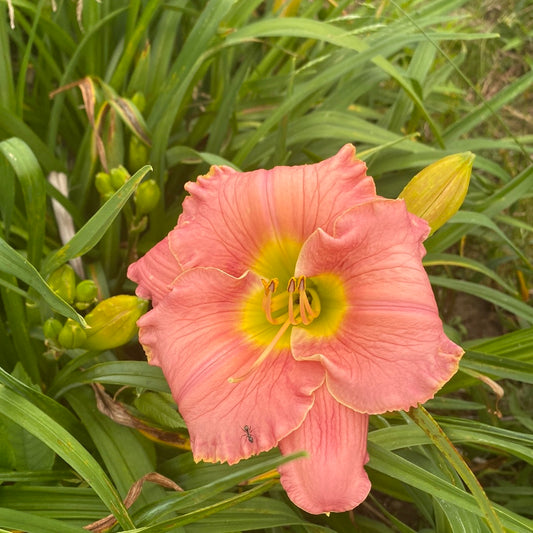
{"x": 315, "y": 311}
{"x": 264, "y": 354}
{"x": 270, "y": 288}
{"x": 302, "y": 300}
{"x": 309, "y": 309}
{"x": 291, "y": 287}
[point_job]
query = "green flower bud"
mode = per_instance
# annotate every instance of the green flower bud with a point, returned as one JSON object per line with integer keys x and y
{"x": 137, "y": 153}
{"x": 113, "y": 322}
{"x": 63, "y": 282}
{"x": 51, "y": 328}
{"x": 71, "y": 335}
{"x": 102, "y": 182}
{"x": 86, "y": 291}
{"x": 146, "y": 196}
{"x": 437, "y": 191}
{"x": 107, "y": 196}
{"x": 119, "y": 176}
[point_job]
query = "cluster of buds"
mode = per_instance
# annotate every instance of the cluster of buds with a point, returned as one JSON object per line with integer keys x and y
{"x": 63, "y": 282}
{"x": 107, "y": 183}
{"x": 146, "y": 196}
{"x": 111, "y": 322}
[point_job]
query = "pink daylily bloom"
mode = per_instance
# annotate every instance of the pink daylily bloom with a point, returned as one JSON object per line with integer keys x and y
{"x": 288, "y": 305}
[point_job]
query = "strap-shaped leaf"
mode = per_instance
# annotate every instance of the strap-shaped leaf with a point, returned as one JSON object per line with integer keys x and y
{"x": 11, "y": 262}
{"x": 66, "y": 446}
{"x": 31, "y": 178}
{"x": 430, "y": 427}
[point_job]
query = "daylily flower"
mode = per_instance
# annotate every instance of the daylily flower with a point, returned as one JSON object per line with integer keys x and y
{"x": 288, "y": 305}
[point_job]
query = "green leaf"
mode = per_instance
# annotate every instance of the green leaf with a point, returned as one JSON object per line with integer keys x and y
{"x": 196, "y": 516}
{"x": 257, "y": 513}
{"x": 7, "y": 199}
{"x": 125, "y": 455}
{"x": 28, "y": 451}
{"x": 466, "y": 262}
{"x": 147, "y": 13}
{"x": 12, "y": 125}
{"x": 493, "y": 296}
{"x": 32, "y": 523}
{"x": 425, "y": 421}
{"x": 191, "y": 58}
{"x": 32, "y": 181}
{"x": 490, "y": 107}
{"x": 516, "y": 189}
{"x": 128, "y": 373}
{"x": 235, "y": 474}
{"x": 160, "y": 407}
{"x": 25, "y": 414}
{"x": 11, "y": 262}
{"x": 475, "y": 220}
{"x": 55, "y": 410}
{"x": 411, "y": 474}
{"x": 499, "y": 367}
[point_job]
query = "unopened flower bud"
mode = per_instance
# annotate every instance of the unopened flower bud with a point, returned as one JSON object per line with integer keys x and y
{"x": 63, "y": 283}
{"x": 119, "y": 176}
{"x": 113, "y": 322}
{"x": 102, "y": 182}
{"x": 137, "y": 153}
{"x": 71, "y": 335}
{"x": 51, "y": 328}
{"x": 146, "y": 196}
{"x": 86, "y": 292}
{"x": 437, "y": 191}
{"x": 107, "y": 196}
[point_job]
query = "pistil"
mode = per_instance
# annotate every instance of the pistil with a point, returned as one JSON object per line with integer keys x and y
{"x": 264, "y": 354}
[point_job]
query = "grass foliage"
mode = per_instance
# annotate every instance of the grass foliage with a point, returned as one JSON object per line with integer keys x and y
{"x": 179, "y": 85}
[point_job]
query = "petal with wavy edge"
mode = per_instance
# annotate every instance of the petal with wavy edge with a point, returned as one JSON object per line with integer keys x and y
{"x": 155, "y": 272}
{"x": 231, "y": 216}
{"x": 389, "y": 351}
{"x": 193, "y": 335}
{"x": 332, "y": 477}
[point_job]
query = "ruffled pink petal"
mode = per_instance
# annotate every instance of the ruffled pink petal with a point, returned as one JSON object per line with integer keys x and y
{"x": 390, "y": 351}
{"x": 231, "y": 215}
{"x": 155, "y": 272}
{"x": 332, "y": 477}
{"x": 195, "y": 336}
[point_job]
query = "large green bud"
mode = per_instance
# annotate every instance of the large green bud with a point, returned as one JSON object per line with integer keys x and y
{"x": 437, "y": 192}
{"x": 112, "y": 322}
{"x": 63, "y": 282}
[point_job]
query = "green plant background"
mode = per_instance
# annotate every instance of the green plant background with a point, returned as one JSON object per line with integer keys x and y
{"x": 168, "y": 88}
